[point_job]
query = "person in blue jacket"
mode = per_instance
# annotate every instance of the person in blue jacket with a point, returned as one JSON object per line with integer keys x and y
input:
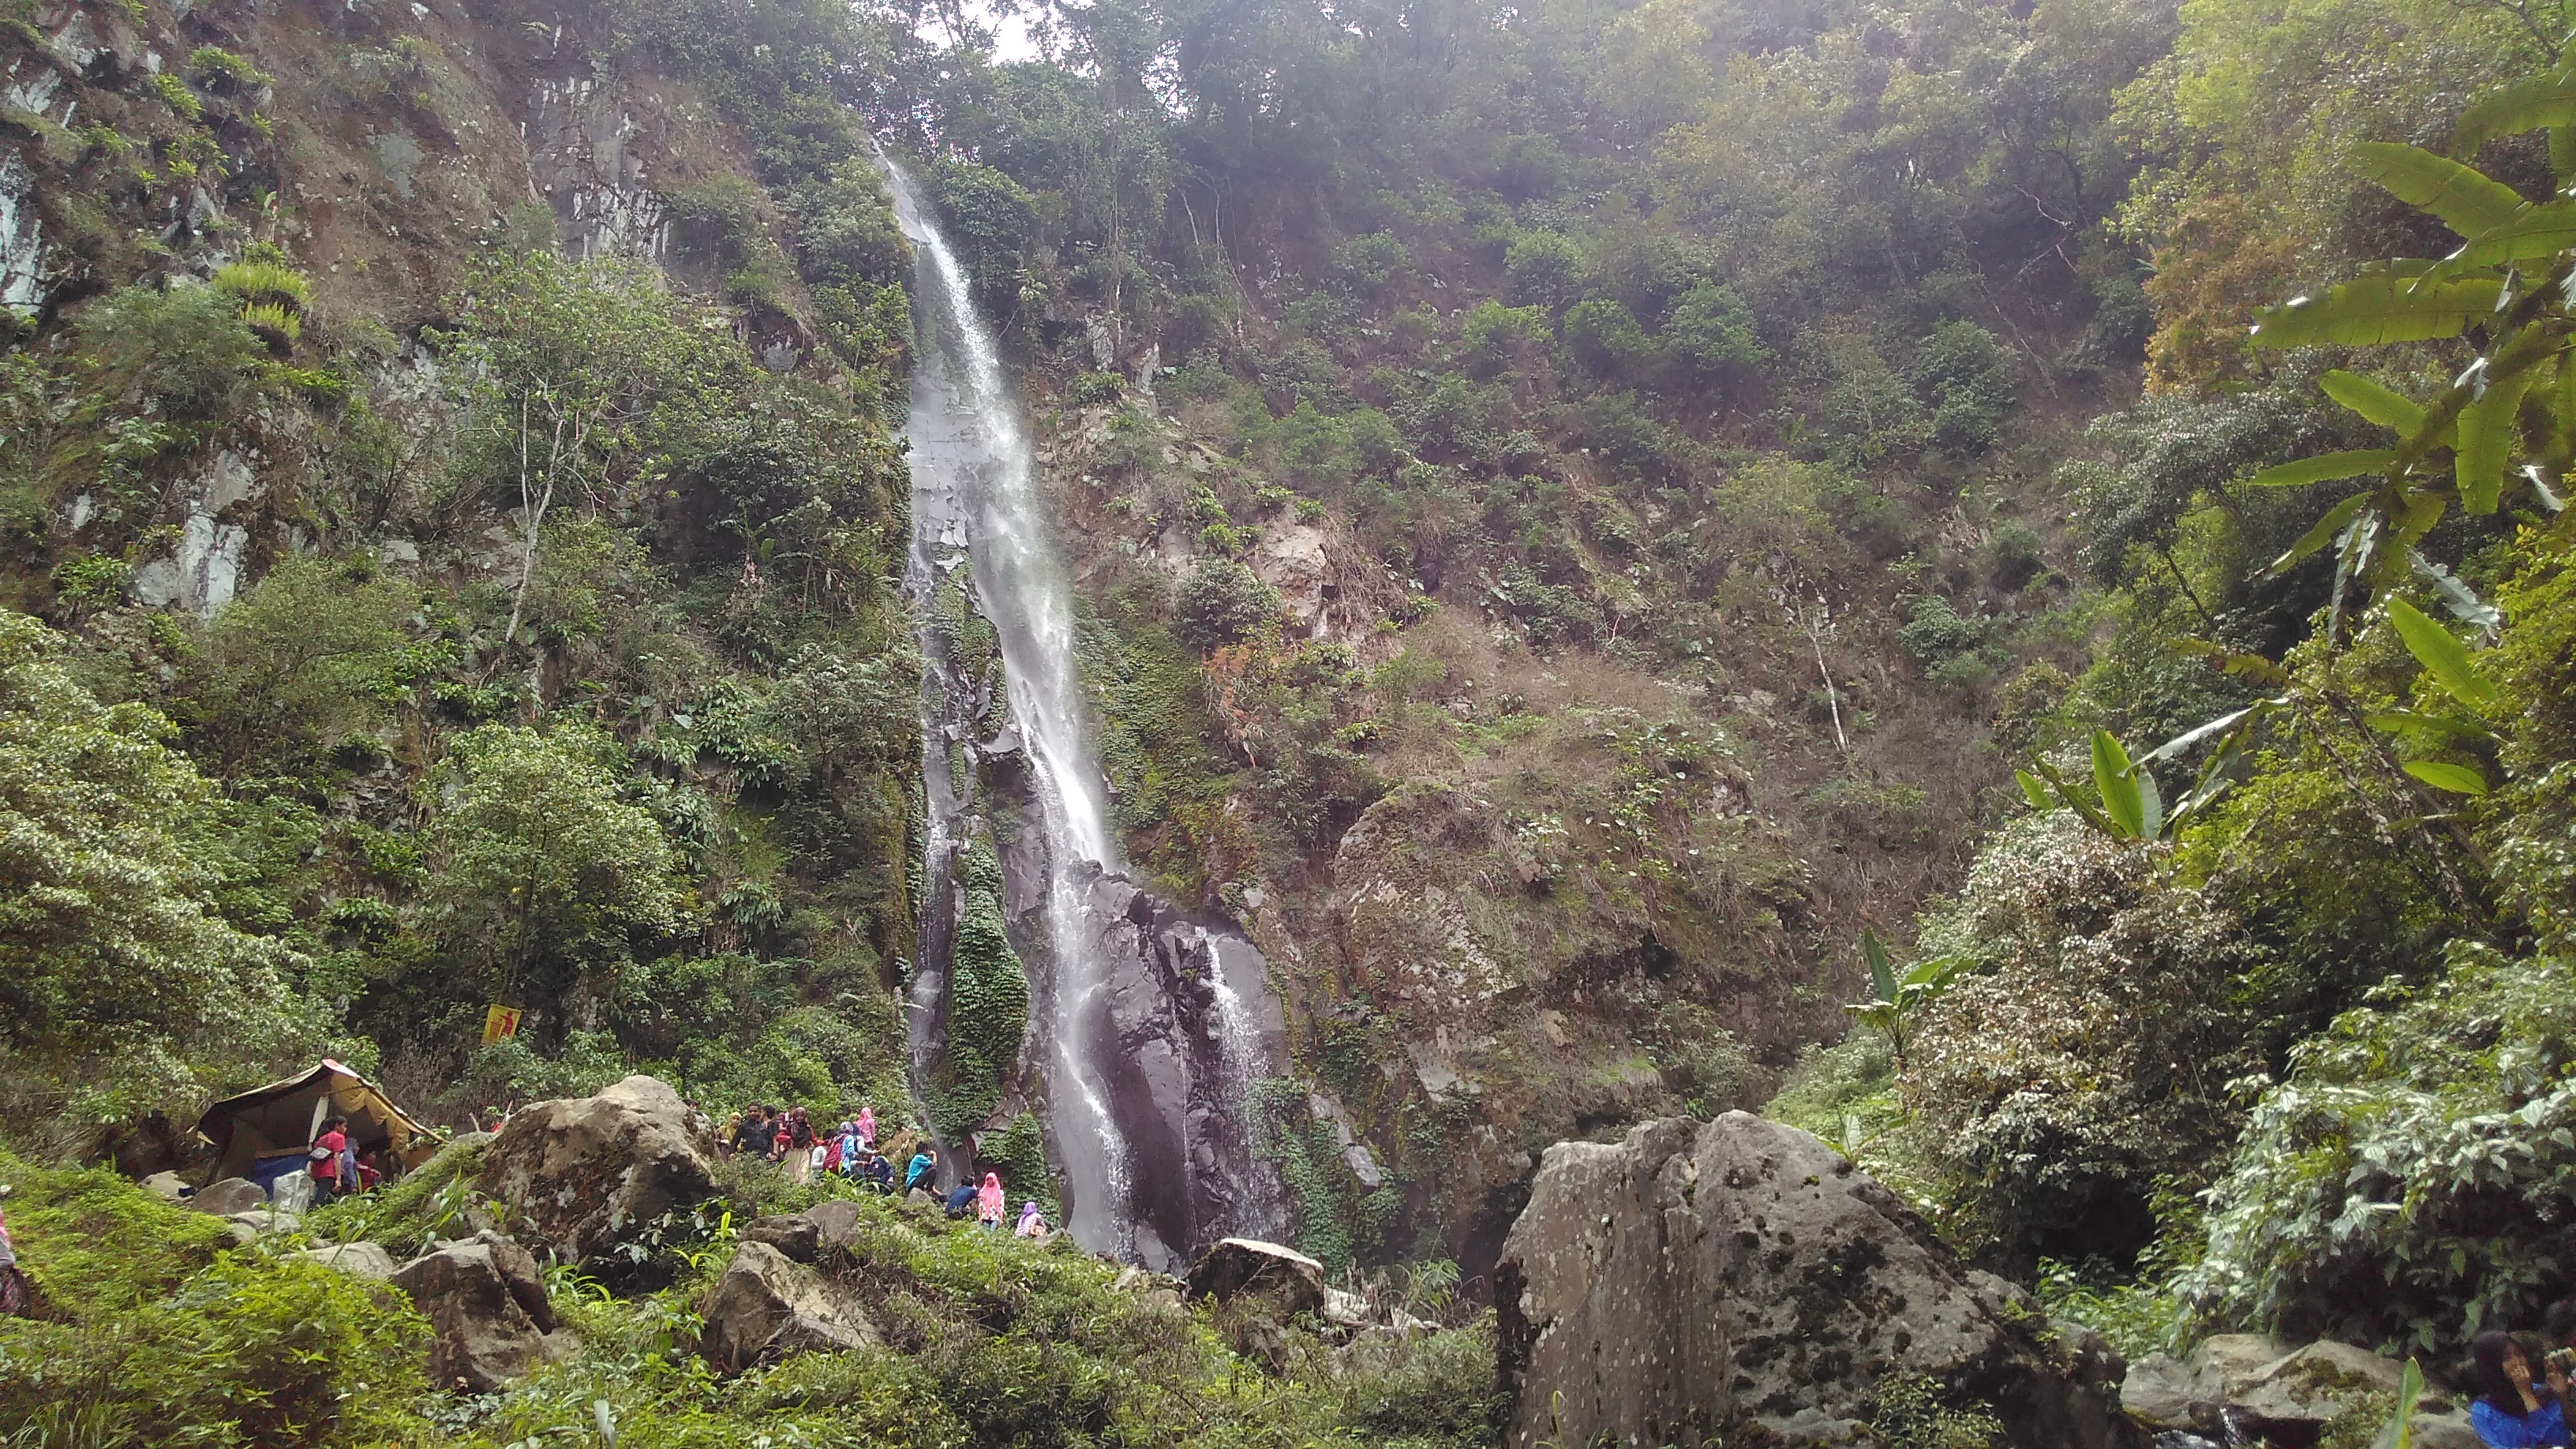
{"x": 2512, "y": 1412}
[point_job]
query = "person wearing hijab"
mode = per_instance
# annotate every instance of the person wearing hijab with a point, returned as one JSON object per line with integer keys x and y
{"x": 867, "y": 1125}
{"x": 1032, "y": 1222}
{"x": 989, "y": 1202}
{"x": 2510, "y": 1411}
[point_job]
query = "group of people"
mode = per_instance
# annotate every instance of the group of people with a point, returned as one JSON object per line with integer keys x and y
{"x": 337, "y": 1168}
{"x": 803, "y": 1152}
{"x": 2522, "y": 1382}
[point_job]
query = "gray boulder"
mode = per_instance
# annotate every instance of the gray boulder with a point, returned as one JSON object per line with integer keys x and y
{"x": 250, "y": 1226}
{"x": 2315, "y": 1384}
{"x": 836, "y": 1221}
{"x": 583, "y": 1172}
{"x": 167, "y": 1186}
{"x": 230, "y": 1196}
{"x": 359, "y": 1259}
{"x": 2164, "y": 1394}
{"x": 1289, "y": 1281}
{"x": 767, "y": 1305}
{"x": 1694, "y": 1280}
{"x": 486, "y": 1307}
{"x": 2262, "y": 1385}
{"x": 2437, "y": 1425}
{"x": 796, "y": 1235}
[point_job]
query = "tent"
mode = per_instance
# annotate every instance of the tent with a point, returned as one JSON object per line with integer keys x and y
{"x": 262, "y": 1134}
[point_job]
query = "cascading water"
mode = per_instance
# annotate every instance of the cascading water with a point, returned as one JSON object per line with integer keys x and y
{"x": 1148, "y": 1030}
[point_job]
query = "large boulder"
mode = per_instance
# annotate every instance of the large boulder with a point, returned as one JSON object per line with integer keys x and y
{"x": 2245, "y": 1384}
{"x": 1289, "y": 1281}
{"x": 767, "y": 1305}
{"x": 486, "y": 1307}
{"x": 2315, "y": 1384}
{"x": 582, "y": 1173}
{"x": 230, "y": 1196}
{"x": 796, "y": 1235}
{"x": 1694, "y": 1280}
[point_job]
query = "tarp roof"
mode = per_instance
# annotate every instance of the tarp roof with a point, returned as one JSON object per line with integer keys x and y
{"x": 284, "y": 1116}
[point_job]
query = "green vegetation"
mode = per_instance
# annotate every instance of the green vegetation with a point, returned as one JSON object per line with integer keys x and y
{"x": 165, "y": 1335}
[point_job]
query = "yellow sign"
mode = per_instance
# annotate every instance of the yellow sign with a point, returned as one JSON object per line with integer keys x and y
{"x": 498, "y": 1022}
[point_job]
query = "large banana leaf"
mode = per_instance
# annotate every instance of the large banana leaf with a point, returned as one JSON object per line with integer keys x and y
{"x": 2548, "y": 100}
{"x": 2373, "y": 400}
{"x": 2457, "y": 779}
{"x": 2528, "y": 235}
{"x": 2320, "y": 533}
{"x": 2323, "y": 468}
{"x": 2118, "y": 785}
{"x": 2442, "y": 655}
{"x": 2486, "y": 442}
{"x": 2378, "y": 307}
{"x": 2467, "y": 202}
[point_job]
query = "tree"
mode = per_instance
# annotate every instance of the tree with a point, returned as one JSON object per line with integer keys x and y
{"x": 542, "y": 874}
{"x": 585, "y": 377}
{"x": 121, "y": 991}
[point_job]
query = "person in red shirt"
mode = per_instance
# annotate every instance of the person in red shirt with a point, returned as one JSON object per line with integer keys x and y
{"x": 370, "y": 1172}
{"x": 324, "y": 1160}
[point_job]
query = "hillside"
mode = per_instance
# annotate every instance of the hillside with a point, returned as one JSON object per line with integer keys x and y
{"x": 1585, "y": 525}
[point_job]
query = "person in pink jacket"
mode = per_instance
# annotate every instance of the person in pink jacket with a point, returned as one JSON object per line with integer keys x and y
{"x": 989, "y": 1202}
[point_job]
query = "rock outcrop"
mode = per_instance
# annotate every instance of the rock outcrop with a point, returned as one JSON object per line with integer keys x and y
{"x": 582, "y": 1173}
{"x": 486, "y": 1307}
{"x": 1289, "y": 1281}
{"x": 1693, "y": 1279}
{"x": 2239, "y": 1385}
{"x": 767, "y": 1305}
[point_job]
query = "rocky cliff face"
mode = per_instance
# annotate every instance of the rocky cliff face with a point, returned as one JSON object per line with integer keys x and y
{"x": 380, "y": 143}
{"x": 1692, "y": 1279}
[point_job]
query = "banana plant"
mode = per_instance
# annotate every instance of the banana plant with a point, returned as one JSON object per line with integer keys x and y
{"x": 2508, "y": 280}
{"x": 2455, "y": 670}
{"x": 2125, "y": 802}
{"x": 1899, "y": 998}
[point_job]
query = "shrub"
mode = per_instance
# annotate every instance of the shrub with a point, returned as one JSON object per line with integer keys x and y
{"x": 1544, "y": 269}
{"x": 2089, "y": 1063}
{"x": 1091, "y": 389}
{"x": 1711, "y": 328}
{"x": 187, "y": 348}
{"x": 121, "y": 990}
{"x": 1966, "y": 378}
{"x": 2408, "y": 1182}
{"x": 1604, "y": 336}
{"x": 1223, "y": 603}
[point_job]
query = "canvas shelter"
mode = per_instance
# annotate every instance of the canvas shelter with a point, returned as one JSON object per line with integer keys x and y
{"x": 262, "y": 1134}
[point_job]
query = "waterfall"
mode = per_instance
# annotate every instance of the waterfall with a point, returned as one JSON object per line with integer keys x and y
{"x": 1146, "y": 1029}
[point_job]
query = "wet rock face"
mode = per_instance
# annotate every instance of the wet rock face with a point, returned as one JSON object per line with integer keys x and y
{"x": 583, "y": 1172}
{"x": 1693, "y": 1278}
{"x": 1182, "y": 1026}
